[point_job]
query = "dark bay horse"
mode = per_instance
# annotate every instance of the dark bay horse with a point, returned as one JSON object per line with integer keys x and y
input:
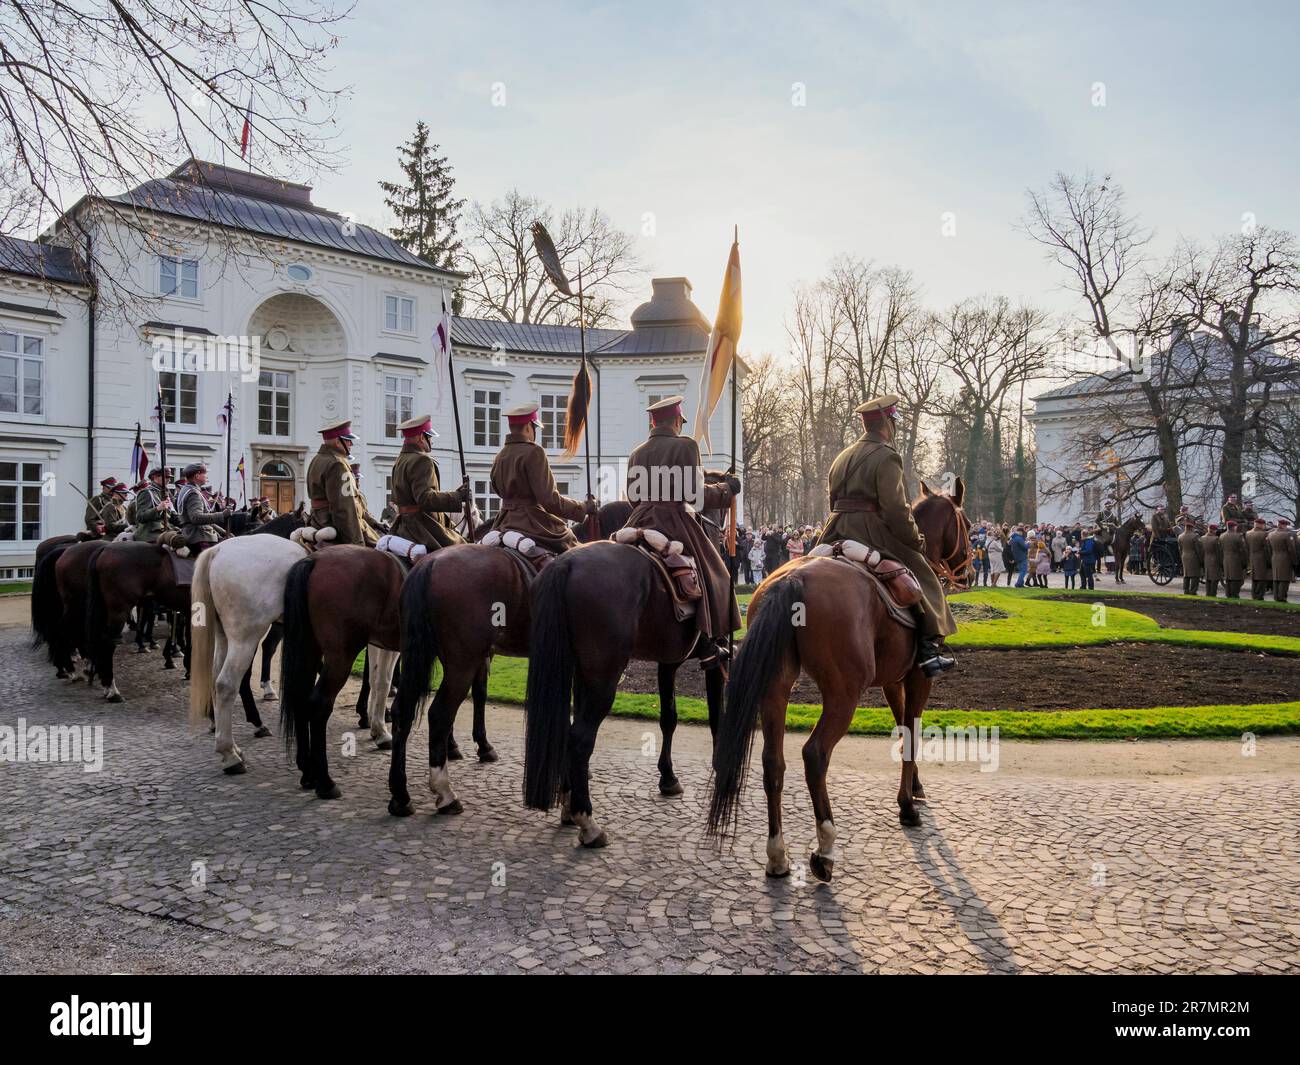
{"x": 1122, "y": 541}
{"x": 338, "y": 601}
{"x": 594, "y": 609}
{"x": 824, "y": 616}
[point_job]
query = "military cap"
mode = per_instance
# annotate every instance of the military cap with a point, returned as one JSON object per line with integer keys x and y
{"x": 877, "y": 408}
{"x": 1282, "y": 523}
{"x": 339, "y": 430}
{"x": 108, "y": 482}
{"x": 192, "y": 469}
{"x": 157, "y": 471}
{"x": 666, "y": 409}
{"x": 1232, "y": 523}
{"x": 524, "y": 414}
{"x": 119, "y": 488}
{"x": 1212, "y": 527}
{"x": 1260, "y": 521}
{"x": 420, "y": 425}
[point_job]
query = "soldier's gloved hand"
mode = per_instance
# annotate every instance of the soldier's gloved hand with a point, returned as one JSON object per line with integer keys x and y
{"x": 463, "y": 492}
{"x": 733, "y": 482}
{"x": 590, "y": 505}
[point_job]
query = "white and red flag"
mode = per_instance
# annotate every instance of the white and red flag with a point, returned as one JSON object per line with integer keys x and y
{"x": 442, "y": 355}
{"x": 246, "y": 135}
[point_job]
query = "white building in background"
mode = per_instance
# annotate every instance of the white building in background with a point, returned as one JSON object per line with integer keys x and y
{"x": 339, "y": 318}
{"x": 1065, "y": 416}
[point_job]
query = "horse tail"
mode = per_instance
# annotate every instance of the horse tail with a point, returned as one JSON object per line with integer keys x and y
{"x": 205, "y": 627}
{"x": 419, "y": 648}
{"x": 300, "y": 654}
{"x": 768, "y": 649}
{"x": 47, "y": 607}
{"x": 550, "y": 682}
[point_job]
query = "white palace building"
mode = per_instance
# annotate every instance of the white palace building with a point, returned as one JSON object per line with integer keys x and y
{"x": 214, "y": 281}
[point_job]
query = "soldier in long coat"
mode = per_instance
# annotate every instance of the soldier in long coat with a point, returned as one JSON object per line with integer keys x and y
{"x": 1212, "y": 558}
{"x": 1236, "y": 559}
{"x": 151, "y": 504}
{"x": 1260, "y": 559}
{"x": 1282, "y": 546}
{"x": 664, "y": 474}
{"x": 332, "y": 491}
{"x": 104, "y": 516}
{"x": 521, "y": 477}
{"x": 1161, "y": 526}
{"x": 869, "y": 504}
{"x": 1189, "y": 547}
{"x": 424, "y": 511}
{"x": 202, "y": 521}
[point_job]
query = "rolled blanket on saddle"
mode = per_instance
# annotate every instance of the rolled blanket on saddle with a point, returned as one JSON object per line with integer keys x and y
{"x": 899, "y": 581}
{"x": 681, "y": 567}
{"x": 312, "y": 538}
{"x": 516, "y": 541}
{"x": 401, "y": 547}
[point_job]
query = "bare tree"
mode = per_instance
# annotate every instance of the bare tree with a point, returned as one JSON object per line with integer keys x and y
{"x": 871, "y": 306}
{"x": 508, "y": 281}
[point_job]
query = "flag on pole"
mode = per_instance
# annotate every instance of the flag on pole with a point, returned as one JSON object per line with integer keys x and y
{"x": 243, "y": 484}
{"x": 723, "y": 343}
{"x": 246, "y": 135}
{"x": 442, "y": 351}
{"x": 139, "y": 457}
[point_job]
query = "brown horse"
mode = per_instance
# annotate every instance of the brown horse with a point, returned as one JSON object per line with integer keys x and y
{"x": 824, "y": 615}
{"x": 594, "y": 609}
{"x": 338, "y": 601}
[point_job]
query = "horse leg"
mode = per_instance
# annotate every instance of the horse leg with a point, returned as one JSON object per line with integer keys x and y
{"x": 837, "y": 714}
{"x": 380, "y": 669}
{"x": 233, "y": 656}
{"x": 478, "y": 691}
{"x": 140, "y": 623}
{"x": 592, "y": 700}
{"x": 250, "y": 705}
{"x": 185, "y": 641}
{"x": 456, "y": 681}
{"x": 772, "y": 717}
{"x": 668, "y": 783}
{"x": 916, "y": 688}
{"x": 107, "y": 639}
{"x": 269, "y": 646}
{"x": 897, "y": 699}
{"x": 335, "y": 671}
{"x": 363, "y": 697}
{"x": 169, "y": 647}
{"x": 715, "y": 681}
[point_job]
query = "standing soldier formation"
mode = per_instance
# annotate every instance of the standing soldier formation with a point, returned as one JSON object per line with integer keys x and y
{"x": 1283, "y": 558}
{"x": 1189, "y": 547}
{"x": 1236, "y": 559}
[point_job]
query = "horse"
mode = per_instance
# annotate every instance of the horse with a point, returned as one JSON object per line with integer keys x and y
{"x": 58, "y": 607}
{"x": 1123, "y": 539}
{"x": 338, "y": 601}
{"x": 845, "y": 640}
{"x": 580, "y": 642}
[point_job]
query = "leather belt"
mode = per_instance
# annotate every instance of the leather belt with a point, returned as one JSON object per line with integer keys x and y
{"x": 409, "y": 508}
{"x": 320, "y": 504}
{"x": 854, "y": 506}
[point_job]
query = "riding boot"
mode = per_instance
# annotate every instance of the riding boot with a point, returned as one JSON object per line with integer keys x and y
{"x": 930, "y": 656}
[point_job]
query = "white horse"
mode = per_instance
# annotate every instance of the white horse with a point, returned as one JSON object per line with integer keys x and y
{"x": 236, "y": 593}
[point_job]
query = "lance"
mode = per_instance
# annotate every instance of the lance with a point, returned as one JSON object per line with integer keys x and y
{"x": 460, "y": 443}
{"x": 162, "y": 449}
{"x": 230, "y": 418}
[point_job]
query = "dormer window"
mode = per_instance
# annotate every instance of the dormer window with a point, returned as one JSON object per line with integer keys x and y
{"x": 298, "y": 272}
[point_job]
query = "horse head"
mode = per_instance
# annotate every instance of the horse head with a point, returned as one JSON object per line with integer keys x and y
{"x": 946, "y": 528}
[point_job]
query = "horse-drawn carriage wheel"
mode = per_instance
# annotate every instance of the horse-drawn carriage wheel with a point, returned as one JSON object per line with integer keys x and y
{"x": 1160, "y": 576}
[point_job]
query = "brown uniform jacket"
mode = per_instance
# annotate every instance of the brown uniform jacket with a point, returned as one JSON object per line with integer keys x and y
{"x": 333, "y": 497}
{"x": 102, "y": 508}
{"x": 1160, "y": 524}
{"x": 530, "y": 502}
{"x": 869, "y": 504}
{"x": 1282, "y": 544}
{"x": 664, "y": 474}
{"x": 1212, "y": 556}
{"x": 1236, "y": 557}
{"x": 1189, "y": 547}
{"x": 424, "y": 511}
{"x": 1257, "y": 542}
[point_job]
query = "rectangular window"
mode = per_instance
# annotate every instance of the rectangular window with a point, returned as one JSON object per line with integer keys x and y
{"x": 1091, "y": 499}
{"x": 273, "y": 392}
{"x": 487, "y": 417}
{"x": 178, "y": 277}
{"x": 180, "y": 397}
{"x": 554, "y": 411}
{"x": 22, "y": 374}
{"x": 399, "y": 399}
{"x": 484, "y": 498}
{"x": 399, "y": 314}
{"x": 20, "y": 501}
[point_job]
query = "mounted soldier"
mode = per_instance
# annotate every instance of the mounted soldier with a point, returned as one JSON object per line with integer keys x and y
{"x": 151, "y": 507}
{"x": 1107, "y": 520}
{"x": 1284, "y": 558}
{"x": 869, "y": 504}
{"x": 424, "y": 510}
{"x": 1161, "y": 527}
{"x": 666, "y": 486}
{"x": 202, "y": 521}
{"x": 1260, "y": 559}
{"x": 1231, "y": 510}
{"x": 332, "y": 491}
{"x": 104, "y": 515}
{"x": 531, "y": 505}
{"x": 377, "y": 526}
{"x": 1236, "y": 559}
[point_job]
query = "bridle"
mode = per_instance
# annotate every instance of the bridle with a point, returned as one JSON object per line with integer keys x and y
{"x": 953, "y": 579}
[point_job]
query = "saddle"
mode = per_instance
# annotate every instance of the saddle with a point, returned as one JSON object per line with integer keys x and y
{"x": 679, "y": 571}
{"x": 313, "y": 539}
{"x": 899, "y": 588}
{"x": 524, "y": 551}
{"x": 182, "y": 561}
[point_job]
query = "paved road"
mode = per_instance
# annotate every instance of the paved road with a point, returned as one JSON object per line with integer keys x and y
{"x": 1178, "y": 856}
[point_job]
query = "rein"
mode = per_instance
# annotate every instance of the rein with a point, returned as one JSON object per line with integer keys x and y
{"x": 956, "y": 580}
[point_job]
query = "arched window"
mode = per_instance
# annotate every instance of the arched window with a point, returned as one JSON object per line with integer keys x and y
{"x": 277, "y": 484}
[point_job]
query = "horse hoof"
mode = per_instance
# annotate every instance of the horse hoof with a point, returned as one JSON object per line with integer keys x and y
{"x": 454, "y": 755}
{"x": 451, "y": 809}
{"x": 596, "y": 842}
{"x": 116, "y": 697}
{"x": 238, "y": 769}
{"x": 779, "y": 873}
{"x": 262, "y": 731}
{"x": 488, "y": 754}
{"x": 142, "y": 650}
{"x": 363, "y": 722}
{"x": 268, "y": 695}
{"x": 400, "y": 809}
{"x": 918, "y": 793}
{"x": 386, "y": 744}
{"x": 306, "y": 782}
{"x": 153, "y": 646}
{"x": 187, "y": 674}
{"x": 669, "y": 788}
{"x": 820, "y": 867}
{"x": 331, "y": 792}
{"x": 567, "y": 821}
{"x": 62, "y": 674}
{"x": 169, "y": 665}
{"x": 909, "y": 818}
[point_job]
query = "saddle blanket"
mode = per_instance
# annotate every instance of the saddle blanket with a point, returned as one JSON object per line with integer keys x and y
{"x": 897, "y": 585}
{"x": 183, "y": 568}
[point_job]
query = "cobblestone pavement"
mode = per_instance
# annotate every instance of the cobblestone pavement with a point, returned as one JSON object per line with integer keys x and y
{"x": 1069, "y": 858}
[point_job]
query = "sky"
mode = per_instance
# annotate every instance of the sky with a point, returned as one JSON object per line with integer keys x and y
{"x": 827, "y": 128}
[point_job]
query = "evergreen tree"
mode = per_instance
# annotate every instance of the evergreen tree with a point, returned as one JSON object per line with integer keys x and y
{"x": 427, "y": 215}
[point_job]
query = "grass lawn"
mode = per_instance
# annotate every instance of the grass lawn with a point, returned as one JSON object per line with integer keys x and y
{"x": 16, "y": 588}
{"x": 1033, "y": 620}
